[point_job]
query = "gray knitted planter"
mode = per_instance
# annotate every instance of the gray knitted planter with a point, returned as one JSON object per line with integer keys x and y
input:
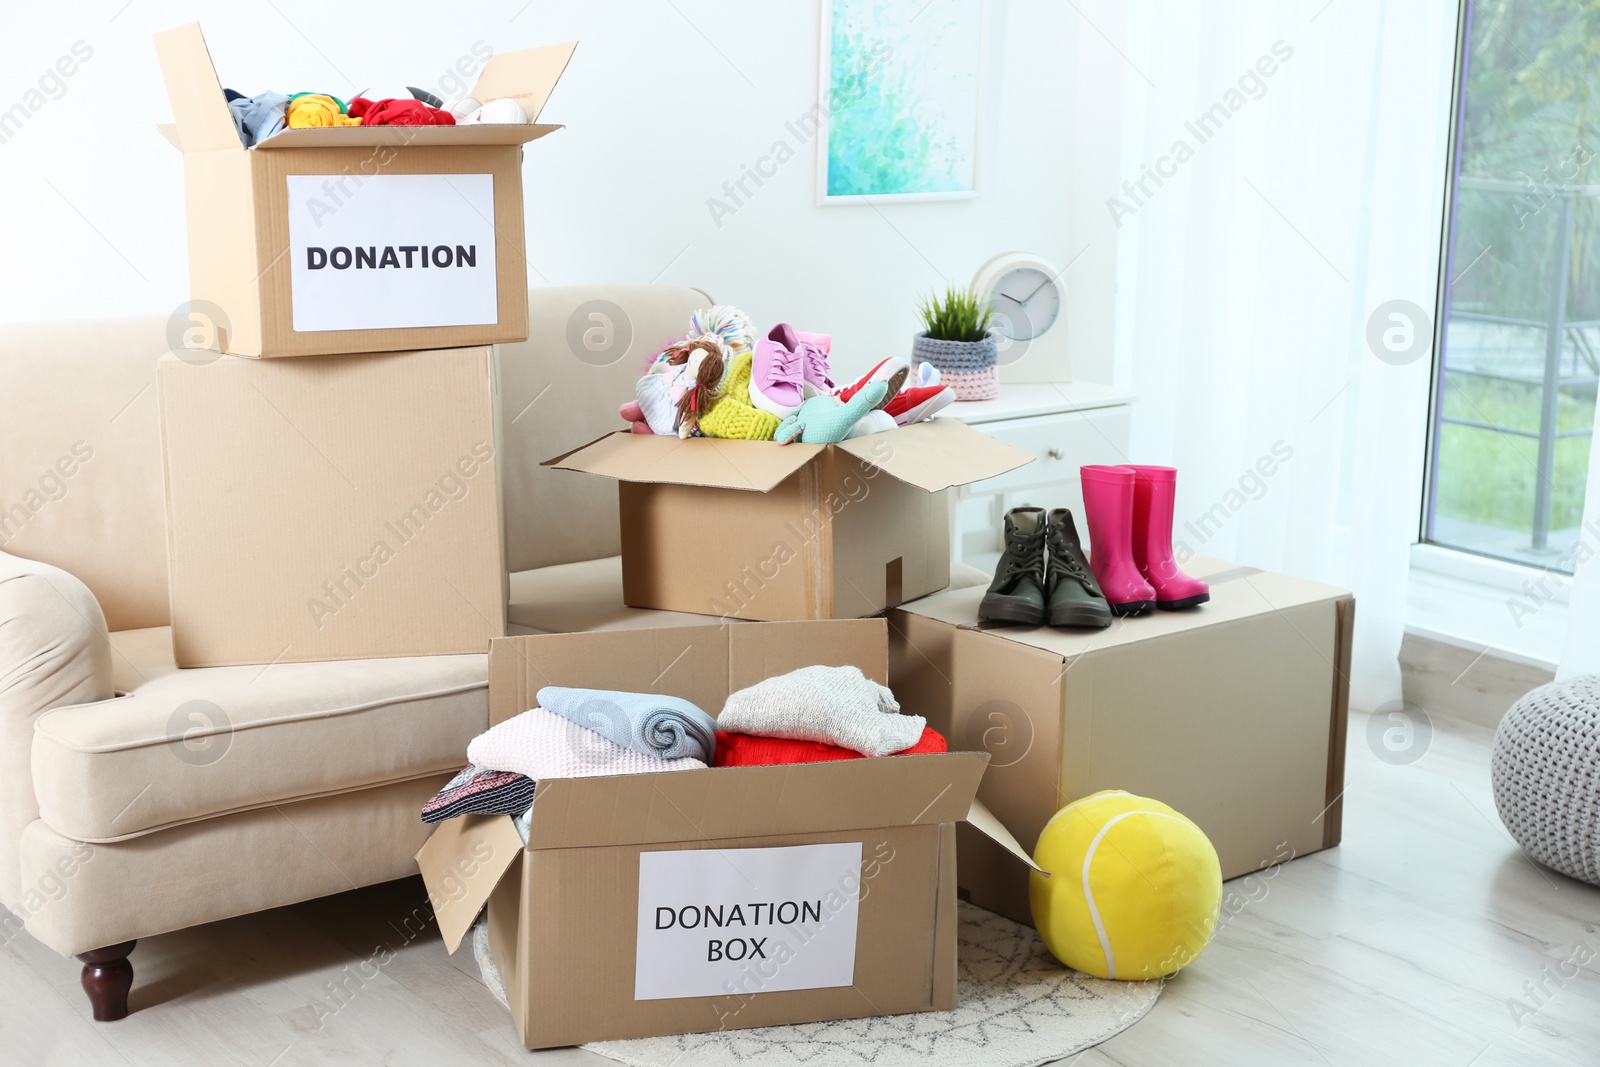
{"x": 969, "y": 367}
{"x": 1546, "y": 771}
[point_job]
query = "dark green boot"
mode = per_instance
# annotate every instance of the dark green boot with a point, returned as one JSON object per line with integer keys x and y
{"x": 1017, "y": 592}
{"x": 1073, "y": 595}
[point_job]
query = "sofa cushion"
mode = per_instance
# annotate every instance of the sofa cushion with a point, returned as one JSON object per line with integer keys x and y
{"x": 183, "y": 745}
{"x": 571, "y": 598}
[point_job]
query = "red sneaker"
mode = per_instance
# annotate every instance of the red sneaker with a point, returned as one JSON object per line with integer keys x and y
{"x": 918, "y": 403}
{"x": 893, "y": 370}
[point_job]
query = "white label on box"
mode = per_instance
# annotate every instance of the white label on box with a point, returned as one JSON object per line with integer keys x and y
{"x": 732, "y": 921}
{"x": 392, "y": 251}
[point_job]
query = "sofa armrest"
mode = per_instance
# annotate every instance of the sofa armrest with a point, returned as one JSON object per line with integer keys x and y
{"x": 54, "y": 650}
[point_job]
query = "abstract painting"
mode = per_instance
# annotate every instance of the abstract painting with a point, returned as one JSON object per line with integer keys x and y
{"x": 900, "y": 93}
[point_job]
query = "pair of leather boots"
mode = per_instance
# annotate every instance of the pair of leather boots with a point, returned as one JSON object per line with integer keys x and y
{"x": 1043, "y": 577}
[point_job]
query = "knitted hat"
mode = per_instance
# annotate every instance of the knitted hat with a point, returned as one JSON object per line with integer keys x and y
{"x": 729, "y": 324}
{"x": 734, "y": 417}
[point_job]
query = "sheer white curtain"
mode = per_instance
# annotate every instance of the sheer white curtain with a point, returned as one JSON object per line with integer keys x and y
{"x": 1581, "y": 653}
{"x": 1308, "y": 197}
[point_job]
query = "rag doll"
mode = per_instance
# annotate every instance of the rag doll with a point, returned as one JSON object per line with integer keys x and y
{"x": 682, "y": 385}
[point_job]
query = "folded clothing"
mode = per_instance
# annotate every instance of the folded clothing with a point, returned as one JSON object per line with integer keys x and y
{"x": 257, "y": 117}
{"x": 834, "y": 705}
{"x": 542, "y": 744}
{"x": 478, "y": 791}
{"x": 398, "y": 111}
{"x": 657, "y": 725}
{"x": 747, "y": 750}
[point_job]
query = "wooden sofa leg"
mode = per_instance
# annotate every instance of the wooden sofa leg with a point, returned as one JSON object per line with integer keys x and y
{"x": 107, "y": 977}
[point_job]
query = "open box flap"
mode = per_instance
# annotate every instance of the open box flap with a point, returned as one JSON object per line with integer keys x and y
{"x": 461, "y": 864}
{"x": 406, "y": 136}
{"x": 527, "y": 76}
{"x": 708, "y": 461}
{"x": 981, "y": 819}
{"x": 701, "y": 664}
{"x": 937, "y": 454}
{"x": 201, "y": 111}
{"x": 754, "y": 802}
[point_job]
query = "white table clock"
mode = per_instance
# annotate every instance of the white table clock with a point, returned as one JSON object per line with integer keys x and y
{"x": 1028, "y": 297}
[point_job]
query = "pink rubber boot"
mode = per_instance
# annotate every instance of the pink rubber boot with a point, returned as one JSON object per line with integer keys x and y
{"x": 1153, "y": 491}
{"x": 1108, "y": 506}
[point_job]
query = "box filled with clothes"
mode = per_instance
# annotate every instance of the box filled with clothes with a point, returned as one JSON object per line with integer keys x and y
{"x": 390, "y": 221}
{"x": 649, "y": 870}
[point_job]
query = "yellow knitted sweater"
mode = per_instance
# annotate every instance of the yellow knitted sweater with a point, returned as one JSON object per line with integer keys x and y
{"x": 734, "y": 416}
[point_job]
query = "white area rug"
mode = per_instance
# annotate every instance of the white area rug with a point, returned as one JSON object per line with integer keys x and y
{"x": 1018, "y": 1008}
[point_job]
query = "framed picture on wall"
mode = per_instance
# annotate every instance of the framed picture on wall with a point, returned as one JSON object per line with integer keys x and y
{"x": 900, "y": 87}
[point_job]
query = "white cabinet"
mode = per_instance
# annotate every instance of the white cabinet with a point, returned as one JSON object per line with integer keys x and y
{"x": 1064, "y": 426}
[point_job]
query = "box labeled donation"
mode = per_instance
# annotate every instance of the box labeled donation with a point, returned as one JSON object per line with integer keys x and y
{"x": 354, "y": 238}
{"x": 715, "y": 898}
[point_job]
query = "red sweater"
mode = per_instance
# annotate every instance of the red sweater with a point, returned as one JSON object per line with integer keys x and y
{"x": 748, "y": 750}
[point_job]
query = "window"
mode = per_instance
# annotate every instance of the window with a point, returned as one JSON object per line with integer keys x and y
{"x": 1519, "y": 342}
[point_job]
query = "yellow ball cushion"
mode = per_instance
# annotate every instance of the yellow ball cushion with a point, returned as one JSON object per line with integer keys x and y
{"x": 1134, "y": 887}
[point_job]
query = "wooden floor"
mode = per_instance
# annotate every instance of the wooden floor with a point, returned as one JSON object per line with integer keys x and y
{"x": 1427, "y": 938}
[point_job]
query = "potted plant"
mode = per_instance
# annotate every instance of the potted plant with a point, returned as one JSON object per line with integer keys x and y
{"x": 956, "y": 339}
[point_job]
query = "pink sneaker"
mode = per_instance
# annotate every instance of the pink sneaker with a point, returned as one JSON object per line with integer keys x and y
{"x": 812, "y": 348}
{"x": 778, "y": 372}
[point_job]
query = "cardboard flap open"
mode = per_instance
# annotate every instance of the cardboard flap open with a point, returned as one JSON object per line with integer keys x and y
{"x": 708, "y": 461}
{"x": 938, "y": 454}
{"x": 169, "y": 130}
{"x": 981, "y": 819}
{"x": 750, "y": 802}
{"x": 527, "y": 76}
{"x": 406, "y": 136}
{"x": 701, "y": 664}
{"x": 461, "y": 864}
{"x": 201, "y": 111}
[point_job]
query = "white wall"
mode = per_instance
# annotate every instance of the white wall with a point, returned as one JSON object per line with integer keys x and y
{"x": 664, "y": 102}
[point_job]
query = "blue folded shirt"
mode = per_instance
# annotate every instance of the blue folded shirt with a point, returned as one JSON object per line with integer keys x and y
{"x": 657, "y": 725}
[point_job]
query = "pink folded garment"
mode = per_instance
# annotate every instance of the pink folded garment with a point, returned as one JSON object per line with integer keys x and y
{"x": 542, "y": 744}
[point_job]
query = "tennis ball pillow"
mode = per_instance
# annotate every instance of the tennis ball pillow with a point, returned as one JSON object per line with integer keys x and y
{"x": 1134, "y": 887}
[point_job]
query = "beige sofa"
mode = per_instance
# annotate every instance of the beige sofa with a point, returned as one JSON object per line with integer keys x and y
{"x": 131, "y": 803}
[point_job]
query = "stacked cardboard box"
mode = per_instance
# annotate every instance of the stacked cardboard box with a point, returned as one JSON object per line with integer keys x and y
{"x": 343, "y": 503}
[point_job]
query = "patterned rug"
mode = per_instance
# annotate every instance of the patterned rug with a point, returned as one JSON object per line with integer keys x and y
{"x": 1018, "y": 1008}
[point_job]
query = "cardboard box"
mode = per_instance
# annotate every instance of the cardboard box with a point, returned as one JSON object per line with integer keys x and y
{"x": 1233, "y": 713}
{"x": 354, "y": 239}
{"x": 863, "y": 850}
{"x": 336, "y": 508}
{"x": 757, "y": 530}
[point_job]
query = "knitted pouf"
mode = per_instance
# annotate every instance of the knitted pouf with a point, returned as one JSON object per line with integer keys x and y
{"x": 971, "y": 368}
{"x": 1546, "y": 770}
